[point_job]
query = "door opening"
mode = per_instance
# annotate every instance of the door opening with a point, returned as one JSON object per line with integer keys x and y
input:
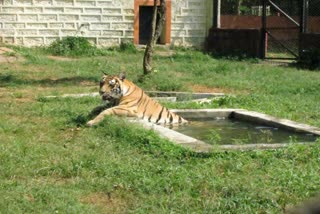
{"x": 143, "y": 12}
{"x": 145, "y": 21}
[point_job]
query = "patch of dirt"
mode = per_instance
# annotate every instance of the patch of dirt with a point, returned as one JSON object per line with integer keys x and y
{"x": 24, "y": 100}
{"x": 61, "y": 58}
{"x": 17, "y": 97}
{"x": 106, "y": 202}
{"x": 87, "y": 83}
{"x": 22, "y": 95}
{"x": 206, "y": 89}
{"x": 165, "y": 53}
{"x": 8, "y": 55}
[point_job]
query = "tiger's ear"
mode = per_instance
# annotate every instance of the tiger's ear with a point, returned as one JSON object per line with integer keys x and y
{"x": 122, "y": 76}
{"x": 104, "y": 73}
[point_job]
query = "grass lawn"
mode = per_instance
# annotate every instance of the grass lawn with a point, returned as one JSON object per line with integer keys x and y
{"x": 51, "y": 163}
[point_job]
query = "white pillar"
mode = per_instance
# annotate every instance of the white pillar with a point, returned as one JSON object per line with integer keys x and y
{"x": 217, "y": 12}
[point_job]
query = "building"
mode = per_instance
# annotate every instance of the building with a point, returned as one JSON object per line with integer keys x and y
{"x": 104, "y": 22}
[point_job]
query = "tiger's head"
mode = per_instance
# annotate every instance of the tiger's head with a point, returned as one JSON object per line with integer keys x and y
{"x": 111, "y": 87}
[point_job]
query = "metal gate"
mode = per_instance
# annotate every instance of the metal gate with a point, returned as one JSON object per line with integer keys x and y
{"x": 281, "y": 24}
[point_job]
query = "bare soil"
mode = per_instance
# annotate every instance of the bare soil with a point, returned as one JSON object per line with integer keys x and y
{"x": 8, "y": 55}
{"x": 61, "y": 58}
{"x": 206, "y": 89}
{"x": 107, "y": 202}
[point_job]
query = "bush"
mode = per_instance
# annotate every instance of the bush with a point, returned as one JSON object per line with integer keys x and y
{"x": 310, "y": 59}
{"x": 128, "y": 47}
{"x": 80, "y": 46}
{"x": 72, "y": 46}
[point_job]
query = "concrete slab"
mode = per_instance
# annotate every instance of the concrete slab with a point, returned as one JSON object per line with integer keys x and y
{"x": 181, "y": 96}
{"x": 158, "y": 95}
{"x": 265, "y": 119}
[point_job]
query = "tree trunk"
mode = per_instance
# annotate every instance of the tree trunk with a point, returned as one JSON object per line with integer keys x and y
{"x": 156, "y": 30}
{"x": 239, "y": 7}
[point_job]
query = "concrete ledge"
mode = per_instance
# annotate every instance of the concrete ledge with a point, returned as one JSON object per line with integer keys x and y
{"x": 265, "y": 119}
{"x": 157, "y": 95}
{"x": 192, "y": 114}
{"x": 184, "y": 95}
{"x": 256, "y": 146}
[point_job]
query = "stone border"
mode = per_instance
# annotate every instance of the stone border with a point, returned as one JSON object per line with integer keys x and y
{"x": 200, "y": 146}
{"x": 181, "y": 96}
{"x": 158, "y": 95}
{"x": 265, "y": 119}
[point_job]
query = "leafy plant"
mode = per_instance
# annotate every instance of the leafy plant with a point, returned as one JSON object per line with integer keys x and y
{"x": 72, "y": 46}
{"x": 128, "y": 47}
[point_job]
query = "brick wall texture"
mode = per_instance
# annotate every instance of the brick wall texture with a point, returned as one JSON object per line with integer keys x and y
{"x": 104, "y": 22}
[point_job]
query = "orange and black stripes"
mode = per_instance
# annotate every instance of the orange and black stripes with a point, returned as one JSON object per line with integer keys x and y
{"x": 134, "y": 102}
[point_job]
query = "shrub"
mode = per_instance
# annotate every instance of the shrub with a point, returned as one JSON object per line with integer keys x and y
{"x": 72, "y": 46}
{"x": 310, "y": 59}
{"x": 128, "y": 47}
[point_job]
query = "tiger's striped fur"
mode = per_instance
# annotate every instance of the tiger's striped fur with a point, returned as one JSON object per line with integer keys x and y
{"x": 130, "y": 100}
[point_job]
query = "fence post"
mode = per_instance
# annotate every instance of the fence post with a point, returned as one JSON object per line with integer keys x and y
{"x": 263, "y": 30}
{"x": 304, "y": 16}
{"x": 303, "y": 22}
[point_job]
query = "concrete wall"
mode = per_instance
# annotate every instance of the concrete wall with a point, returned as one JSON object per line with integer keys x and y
{"x": 104, "y": 22}
{"x": 191, "y": 21}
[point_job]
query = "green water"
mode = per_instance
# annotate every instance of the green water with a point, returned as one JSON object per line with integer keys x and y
{"x": 230, "y": 131}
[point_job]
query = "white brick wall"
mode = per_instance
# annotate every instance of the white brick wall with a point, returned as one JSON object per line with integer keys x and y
{"x": 104, "y": 22}
{"x": 191, "y": 20}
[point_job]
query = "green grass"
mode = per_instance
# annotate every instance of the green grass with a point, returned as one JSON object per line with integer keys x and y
{"x": 51, "y": 163}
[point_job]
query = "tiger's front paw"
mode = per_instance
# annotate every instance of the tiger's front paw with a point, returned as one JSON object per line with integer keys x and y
{"x": 91, "y": 123}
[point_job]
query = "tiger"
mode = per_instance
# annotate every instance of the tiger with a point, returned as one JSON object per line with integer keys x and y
{"x": 127, "y": 99}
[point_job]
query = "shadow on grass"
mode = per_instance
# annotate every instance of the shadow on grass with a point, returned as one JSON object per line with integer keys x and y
{"x": 82, "y": 119}
{"x": 11, "y": 80}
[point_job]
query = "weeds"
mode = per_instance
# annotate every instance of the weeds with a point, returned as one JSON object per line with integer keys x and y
{"x": 128, "y": 47}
